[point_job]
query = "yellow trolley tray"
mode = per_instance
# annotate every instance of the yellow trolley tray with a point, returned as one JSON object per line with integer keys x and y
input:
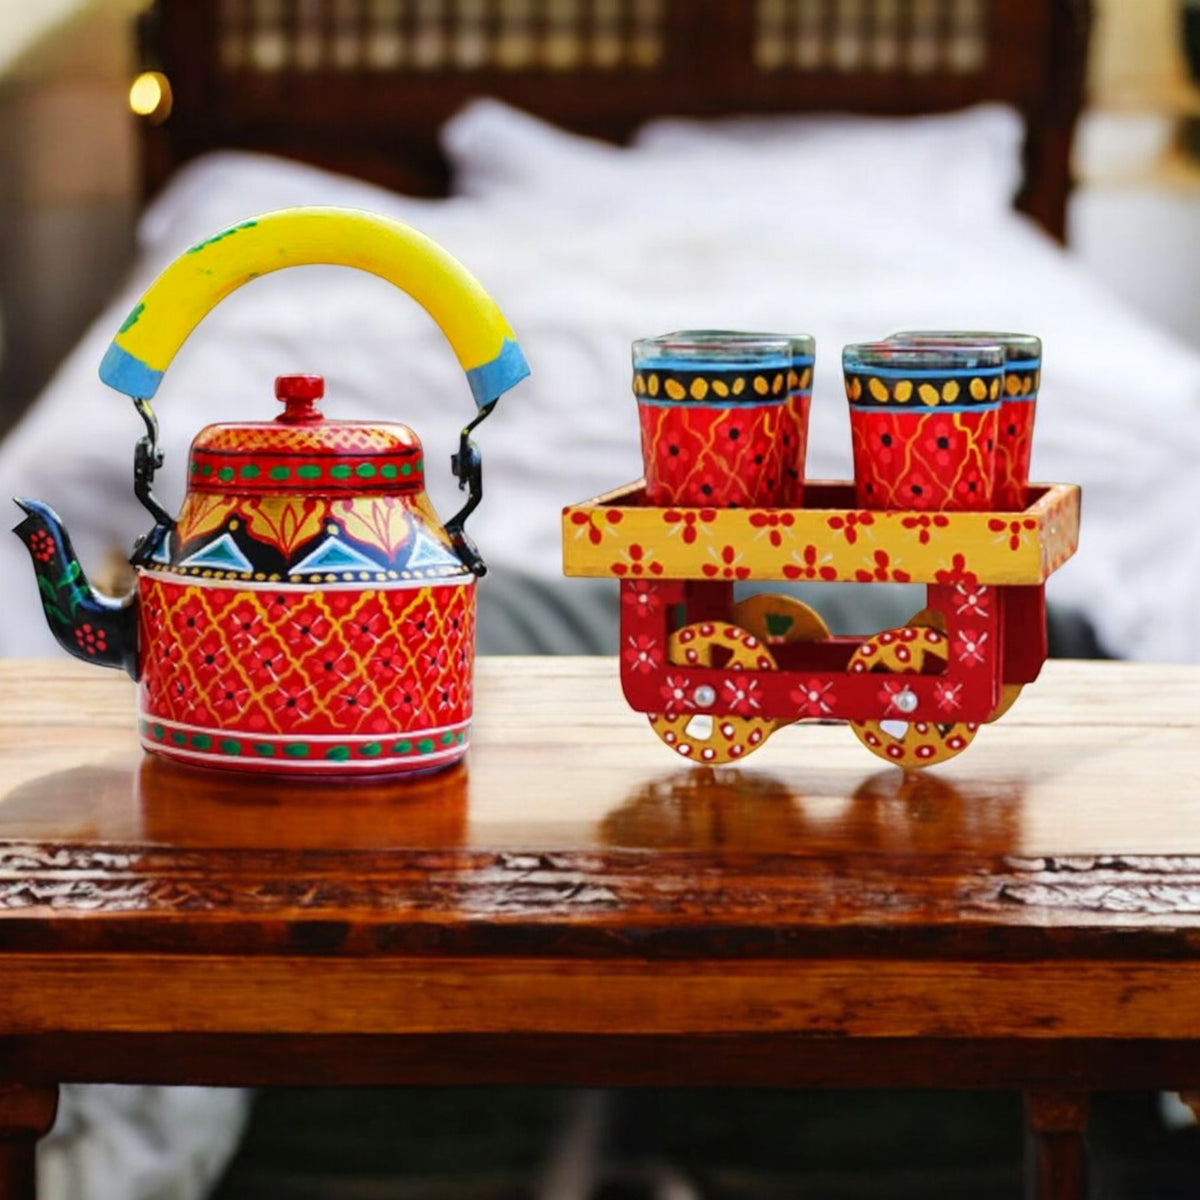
{"x": 829, "y": 540}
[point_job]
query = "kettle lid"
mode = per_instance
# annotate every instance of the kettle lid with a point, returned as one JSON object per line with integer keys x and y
{"x": 302, "y": 451}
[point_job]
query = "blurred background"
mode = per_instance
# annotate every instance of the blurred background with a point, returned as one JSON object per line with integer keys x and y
{"x": 69, "y": 173}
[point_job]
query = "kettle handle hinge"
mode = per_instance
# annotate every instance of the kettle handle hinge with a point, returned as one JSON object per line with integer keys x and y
{"x": 467, "y": 466}
{"x": 147, "y": 458}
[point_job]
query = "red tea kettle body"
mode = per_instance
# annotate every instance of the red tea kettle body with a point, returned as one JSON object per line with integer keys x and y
{"x": 306, "y": 613}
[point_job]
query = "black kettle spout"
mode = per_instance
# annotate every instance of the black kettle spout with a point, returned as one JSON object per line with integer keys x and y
{"x": 91, "y": 626}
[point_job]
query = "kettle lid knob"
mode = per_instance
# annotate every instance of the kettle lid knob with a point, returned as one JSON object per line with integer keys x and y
{"x": 299, "y": 394}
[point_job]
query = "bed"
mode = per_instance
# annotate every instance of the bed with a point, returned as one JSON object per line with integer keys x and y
{"x": 617, "y": 168}
{"x": 612, "y": 169}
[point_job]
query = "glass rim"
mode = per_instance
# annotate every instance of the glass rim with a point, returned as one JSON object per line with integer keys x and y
{"x": 801, "y": 343}
{"x": 713, "y": 347}
{"x": 945, "y": 357}
{"x": 1017, "y": 346}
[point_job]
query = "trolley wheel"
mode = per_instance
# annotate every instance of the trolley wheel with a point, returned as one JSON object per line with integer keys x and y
{"x": 688, "y": 729}
{"x": 931, "y": 618}
{"x": 774, "y": 618}
{"x": 908, "y": 651}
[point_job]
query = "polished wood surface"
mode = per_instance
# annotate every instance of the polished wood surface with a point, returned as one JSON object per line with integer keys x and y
{"x": 576, "y": 906}
{"x": 811, "y": 892}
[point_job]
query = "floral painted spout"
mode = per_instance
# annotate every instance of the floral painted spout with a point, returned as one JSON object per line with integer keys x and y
{"x": 93, "y": 627}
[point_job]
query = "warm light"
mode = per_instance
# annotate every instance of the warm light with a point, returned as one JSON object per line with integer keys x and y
{"x": 150, "y": 96}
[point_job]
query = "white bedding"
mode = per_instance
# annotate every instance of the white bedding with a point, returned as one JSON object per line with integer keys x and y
{"x": 825, "y": 226}
{"x": 844, "y": 229}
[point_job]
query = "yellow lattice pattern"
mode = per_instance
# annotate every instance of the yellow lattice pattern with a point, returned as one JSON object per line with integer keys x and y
{"x": 344, "y": 436}
{"x": 339, "y": 662}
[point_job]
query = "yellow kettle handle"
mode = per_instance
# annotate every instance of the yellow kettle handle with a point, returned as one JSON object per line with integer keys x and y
{"x": 179, "y": 299}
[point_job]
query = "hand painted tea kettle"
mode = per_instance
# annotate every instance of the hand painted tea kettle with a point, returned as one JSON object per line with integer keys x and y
{"x": 306, "y": 613}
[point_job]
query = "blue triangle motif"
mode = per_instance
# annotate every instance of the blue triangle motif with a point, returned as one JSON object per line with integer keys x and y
{"x": 163, "y": 553}
{"x": 334, "y": 557}
{"x": 426, "y": 552}
{"x": 221, "y": 555}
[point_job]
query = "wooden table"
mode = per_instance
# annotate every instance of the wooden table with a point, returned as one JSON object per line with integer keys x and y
{"x": 579, "y": 906}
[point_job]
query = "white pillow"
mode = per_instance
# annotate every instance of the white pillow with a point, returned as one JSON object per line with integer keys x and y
{"x": 963, "y": 167}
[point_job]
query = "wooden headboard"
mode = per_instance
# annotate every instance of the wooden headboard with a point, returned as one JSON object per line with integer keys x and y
{"x": 362, "y": 86}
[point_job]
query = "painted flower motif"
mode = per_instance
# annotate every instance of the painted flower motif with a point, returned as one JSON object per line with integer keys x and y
{"x": 636, "y": 562}
{"x": 594, "y": 523}
{"x": 211, "y": 657}
{"x": 684, "y": 522}
{"x": 404, "y": 703}
{"x": 307, "y": 626}
{"x": 1014, "y": 530}
{"x": 883, "y": 571}
{"x": 889, "y": 691}
{"x": 419, "y": 623}
{"x": 381, "y": 522}
{"x": 970, "y": 485}
{"x": 642, "y": 654}
{"x": 924, "y": 523}
{"x": 851, "y": 524}
{"x": 267, "y": 661}
{"x": 243, "y": 624}
{"x": 364, "y": 630}
{"x": 352, "y": 702}
{"x": 278, "y": 607}
{"x": 291, "y": 700}
{"x": 918, "y": 488}
{"x": 814, "y": 698}
{"x": 956, "y": 573}
{"x": 462, "y": 663}
{"x": 946, "y": 695}
{"x": 882, "y": 447}
{"x": 91, "y": 639}
{"x": 191, "y": 619}
{"x": 708, "y": 484}
{"x": 446, "y": 698}
{"x": 41, "y": 546}
{"x": 942, "y": 442}
{"x": 807, "y": 566}
{"x": 640, "y": 597}
{"x": 434, "y": 660}
{"x": 742, "y": 694}
{"x": 673, "y": 460}
{"x": 972, "y": 600}
{"x": 330, "y": 663}
{"x": 969, "y": 646}
{"x": 229, "y": 698}
{"x": 772, "y": 523}
{"x": 727, "y": 564}
{"x": 675, "y": 694}
{"x": 387, "y": 660}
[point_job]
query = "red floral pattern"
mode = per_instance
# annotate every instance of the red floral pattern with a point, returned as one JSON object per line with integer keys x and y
{"x": 392, "y": 661}
{"x": 686, "y": 520}
{"x": 807, "y": 566}
{"x": 1013, "y": 447}
{"x": 926, "y": 461}
{"x": 701, "y": 455}
{"x": 41, "y": 545}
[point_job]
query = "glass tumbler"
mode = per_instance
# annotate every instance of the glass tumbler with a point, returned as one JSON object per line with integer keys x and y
{"x": 715, "y": 415}
{"x": 1018, "y": 404}
{"x": 923, "y": 424}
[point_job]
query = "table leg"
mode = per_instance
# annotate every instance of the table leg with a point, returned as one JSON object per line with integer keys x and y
{"x": 1057, "y": 1121}
{"x": 26, "y": 1113}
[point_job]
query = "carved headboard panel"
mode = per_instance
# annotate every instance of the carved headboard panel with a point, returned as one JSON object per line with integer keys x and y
{"x": 363, "y": 85}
